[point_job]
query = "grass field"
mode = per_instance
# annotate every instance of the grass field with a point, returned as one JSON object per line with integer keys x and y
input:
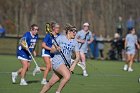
{"x": 104, "y": 77}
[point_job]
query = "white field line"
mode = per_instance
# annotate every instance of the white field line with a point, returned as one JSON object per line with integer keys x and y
{"x": 107, "y": 75}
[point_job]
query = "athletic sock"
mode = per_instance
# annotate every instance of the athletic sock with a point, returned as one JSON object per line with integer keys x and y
{"x": 43, "y": 79}
{"x": 22, "y": 79}
{"x": 126, "y": 64}
{"x": 84, "y": 71}
{"x": 84, "y": 63}
{"x": 57, "y": 92}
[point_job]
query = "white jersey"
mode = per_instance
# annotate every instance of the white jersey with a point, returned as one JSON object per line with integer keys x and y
{"x": 84, "y": 36}
{"x": 67, "y": 47}
{"x": 131, "y": 41}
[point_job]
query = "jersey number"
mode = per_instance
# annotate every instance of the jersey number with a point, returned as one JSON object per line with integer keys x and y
{"x": 32, "y": 45}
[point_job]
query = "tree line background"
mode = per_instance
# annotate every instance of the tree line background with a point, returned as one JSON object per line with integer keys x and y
{"x": 17, "y": 15}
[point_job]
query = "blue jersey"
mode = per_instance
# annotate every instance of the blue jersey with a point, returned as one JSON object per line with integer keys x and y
{"x": 48, "y": 40}
{"x": 31, "y": 42}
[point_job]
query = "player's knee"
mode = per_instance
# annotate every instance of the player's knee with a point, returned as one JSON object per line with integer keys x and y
{"x": 128, "y": 60}
{"x": 25, "y": 67}
{"x": 67, "y": 77}
{"x": 48, "y": 67}
{"x": 131, "y": 61}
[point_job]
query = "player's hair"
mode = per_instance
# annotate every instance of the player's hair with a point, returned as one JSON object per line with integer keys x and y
{"x": 69, "y": 27}
{"x": 53, "y": 24}
{"x": 130, "y": 30}
{"x": 33, "y": 25}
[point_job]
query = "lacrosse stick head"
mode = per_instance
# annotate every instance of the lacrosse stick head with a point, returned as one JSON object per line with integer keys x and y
{"x": 23, "y": 42}
{"x": 48, "y": 28}
{"x": 38, "y": 69}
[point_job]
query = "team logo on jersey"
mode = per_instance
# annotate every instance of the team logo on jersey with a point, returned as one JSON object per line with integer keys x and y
{"x": 67, "y": 48}
{"x": 33, "y": 40}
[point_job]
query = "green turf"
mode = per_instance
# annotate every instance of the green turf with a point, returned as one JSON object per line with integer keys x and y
{"x": 104, "y": 77}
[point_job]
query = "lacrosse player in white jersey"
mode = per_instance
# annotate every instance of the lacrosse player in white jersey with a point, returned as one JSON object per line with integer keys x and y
{"x": 67, "y": 44}
{"x": 84, "y": 37}
{"x": 130, "y": 45}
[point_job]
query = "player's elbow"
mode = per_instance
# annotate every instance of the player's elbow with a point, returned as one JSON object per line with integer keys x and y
{"x": 53, "y": 49}
{"x": 43, "y": 45}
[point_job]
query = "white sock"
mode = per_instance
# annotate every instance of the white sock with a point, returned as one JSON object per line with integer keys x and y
{"x": 84, "y": 63}
{"x": 22, "y": 79}
{"x": 44, "y": 79}
{"x": 84, "y": 71}
{"x": 57, "y": 92}
{"x": 126, "y": 65}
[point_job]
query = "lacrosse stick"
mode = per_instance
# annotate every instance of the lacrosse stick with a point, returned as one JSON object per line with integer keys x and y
{"x": 84, "y": 39}
{"x": 25, "y": 45}
{"x": 49, "y": 30}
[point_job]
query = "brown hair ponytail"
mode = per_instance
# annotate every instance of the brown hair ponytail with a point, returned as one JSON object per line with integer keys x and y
{"x": 69, "y": 27}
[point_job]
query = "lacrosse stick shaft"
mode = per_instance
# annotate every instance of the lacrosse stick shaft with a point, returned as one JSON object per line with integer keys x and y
{"x": 33, "y": 58}
{"x": 84, "y": 39}
{"x": 48, "y": 30}
{"x": 62, "y": 55}
{"x": 25, "y": 45}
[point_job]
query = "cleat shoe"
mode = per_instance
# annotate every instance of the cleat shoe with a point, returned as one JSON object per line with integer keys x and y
{"x": 23, "y": 83}
{"x": 85, "y": 73}
{"x": 14, "y": 76}
{"x": 81, "y": 65}
{"x": 125, "y": 67}
{"x": 139, "y": 80}
{"x": 43, "y": 82}
{"x": 130, "y": 69}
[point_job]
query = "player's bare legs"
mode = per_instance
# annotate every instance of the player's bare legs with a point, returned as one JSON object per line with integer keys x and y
{"x": 46, "y": 71}
{"x": 25, "y": 67}
{"x": 131, "y": 63}
{"x": 125, "y": 68}
{"x": 64, "y": 72}
{"x": 22, "y": 72}
{"x": 83, "y": 59}
{"x": 55, "y": 77}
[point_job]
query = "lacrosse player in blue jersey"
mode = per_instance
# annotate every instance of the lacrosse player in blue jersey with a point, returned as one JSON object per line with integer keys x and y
{"x": 46, "y": 48}
{"x": 84, "y": 37}
{"x": 130, "y": 44}
{"x": 24, "y": 56}
{"x": 66, "y": 45}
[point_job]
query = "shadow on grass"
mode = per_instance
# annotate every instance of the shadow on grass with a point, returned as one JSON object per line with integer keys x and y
{"x": 79, "y": 74}
{"x": 33, "y": 81}
{"x": 15, "y": 83}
